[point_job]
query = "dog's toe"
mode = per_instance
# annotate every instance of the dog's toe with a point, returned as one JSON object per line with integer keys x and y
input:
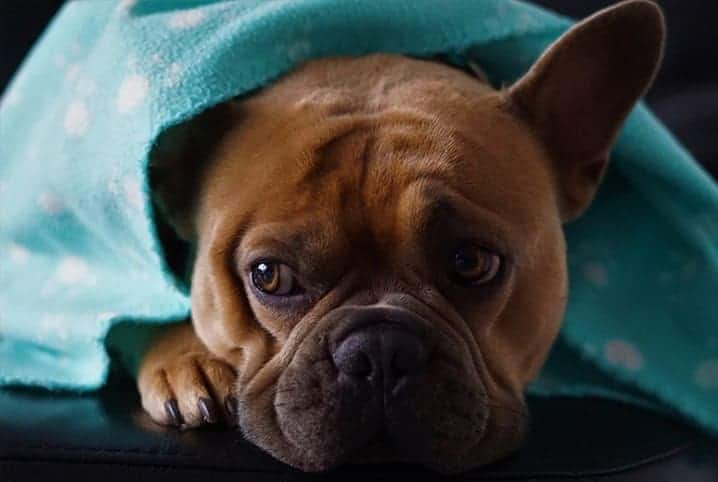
{"x": 173, "y": 414}
{"x": 191, "y": 391}
{"x": 208, "y": 410}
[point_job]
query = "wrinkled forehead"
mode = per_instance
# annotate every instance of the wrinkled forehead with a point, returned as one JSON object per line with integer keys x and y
{"x": 395, "y": 171}
{"x": 344, "y": 164}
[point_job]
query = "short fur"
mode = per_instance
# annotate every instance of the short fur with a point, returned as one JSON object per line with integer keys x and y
{"x": 361, "y": 173}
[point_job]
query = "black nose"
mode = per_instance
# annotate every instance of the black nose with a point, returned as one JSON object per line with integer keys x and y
{"x": 381, "y": 352}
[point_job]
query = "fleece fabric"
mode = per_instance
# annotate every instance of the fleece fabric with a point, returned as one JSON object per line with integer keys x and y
{"x": 79, "y": 244}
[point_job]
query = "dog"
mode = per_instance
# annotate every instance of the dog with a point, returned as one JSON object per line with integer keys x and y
{"x": 379, "y": 264}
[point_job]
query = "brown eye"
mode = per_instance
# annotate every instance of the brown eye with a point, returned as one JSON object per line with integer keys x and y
{"x": 474, "y": 265}
{"x": 273, "y": 278}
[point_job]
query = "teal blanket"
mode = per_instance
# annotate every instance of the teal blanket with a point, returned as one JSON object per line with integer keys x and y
{"x": 79, "y": 249}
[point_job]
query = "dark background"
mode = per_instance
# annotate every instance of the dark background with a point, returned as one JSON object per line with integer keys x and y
{"x": 684, "y": 96}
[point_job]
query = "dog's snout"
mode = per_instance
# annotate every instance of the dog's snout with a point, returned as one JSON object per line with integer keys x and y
{"x": 381, "y": 352}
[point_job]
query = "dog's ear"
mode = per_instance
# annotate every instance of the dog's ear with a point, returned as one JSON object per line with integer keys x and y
{"x": 578, "y": 93}
{"x": 177, "y": 160}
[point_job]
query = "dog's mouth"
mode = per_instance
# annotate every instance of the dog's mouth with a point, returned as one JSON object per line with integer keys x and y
{"x": 425, "y": 420}
{"x": 377, "y": 393}
{"x": 380, "y": 394}
{"x": 413, "y": 429}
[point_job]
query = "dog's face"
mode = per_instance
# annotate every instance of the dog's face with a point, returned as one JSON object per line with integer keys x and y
{"x": 402, "y": 271}
{"x": 380, "y": 247}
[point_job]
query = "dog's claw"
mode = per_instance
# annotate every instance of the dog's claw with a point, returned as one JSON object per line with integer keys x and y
{"x": 208, "y": 409}
{"x": 230, "y": 404}
{"x": 173, "y": 412}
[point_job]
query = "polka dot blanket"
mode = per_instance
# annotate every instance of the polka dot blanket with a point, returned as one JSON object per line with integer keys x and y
{"x": 79, "y": 244}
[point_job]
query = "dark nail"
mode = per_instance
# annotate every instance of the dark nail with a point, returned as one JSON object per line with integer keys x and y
{"x": 173, "y": 412}
{"x": 230, "y": 403}
{"x": 207, "y": 409}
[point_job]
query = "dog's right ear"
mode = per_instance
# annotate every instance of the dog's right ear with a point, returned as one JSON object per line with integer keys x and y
{"x": 177, "y": 162}
{"x": 579, "y": 92}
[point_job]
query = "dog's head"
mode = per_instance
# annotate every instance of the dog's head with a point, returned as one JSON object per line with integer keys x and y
{"x": 380, "y": 248}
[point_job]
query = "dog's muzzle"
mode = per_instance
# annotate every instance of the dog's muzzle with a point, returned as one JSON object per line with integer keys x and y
{"x": 382, "y": 382}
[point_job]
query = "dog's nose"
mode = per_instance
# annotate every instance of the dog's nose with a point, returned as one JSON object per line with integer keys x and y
{"x": 381, "y": 352}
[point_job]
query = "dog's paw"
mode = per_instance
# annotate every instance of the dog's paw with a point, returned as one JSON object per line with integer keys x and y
{"x": 191, "y": 390}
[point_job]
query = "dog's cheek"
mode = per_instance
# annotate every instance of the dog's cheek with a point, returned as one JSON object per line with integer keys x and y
{"x": 545, "y": 301}
{"x": 505, "y": 433}
{"x": 455, "y": 408}
{"x": 518, "y": 343}
{"x": 222, "y": 317}
{"x": 499, "y": 424}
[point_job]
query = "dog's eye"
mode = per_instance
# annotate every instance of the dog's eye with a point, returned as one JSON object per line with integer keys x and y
{"x": 273, "y": 278}
{"x": 471, "y": 264}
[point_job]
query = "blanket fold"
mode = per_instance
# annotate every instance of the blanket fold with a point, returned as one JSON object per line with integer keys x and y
{"x": 79, "y": 249}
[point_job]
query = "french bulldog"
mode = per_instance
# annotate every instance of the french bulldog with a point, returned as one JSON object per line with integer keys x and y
{"x": 379, "y": 262}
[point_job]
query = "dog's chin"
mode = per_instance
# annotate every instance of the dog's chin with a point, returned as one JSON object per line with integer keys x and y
{"x": 494, "y": 444}
{"x": 318, "y": 420}
{"x": 335, "y": 421}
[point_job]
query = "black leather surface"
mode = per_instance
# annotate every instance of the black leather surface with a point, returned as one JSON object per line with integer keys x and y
{"x": 107, "y": 437}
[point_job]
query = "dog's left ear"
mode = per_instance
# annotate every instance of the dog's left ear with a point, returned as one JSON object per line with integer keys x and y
{"x": 578, "y": 93}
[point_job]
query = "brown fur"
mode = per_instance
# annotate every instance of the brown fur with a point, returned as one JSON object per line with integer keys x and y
{"x": 360, "y": 173}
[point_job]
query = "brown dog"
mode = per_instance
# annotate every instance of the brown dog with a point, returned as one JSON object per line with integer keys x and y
{"x": 380, "y": 263}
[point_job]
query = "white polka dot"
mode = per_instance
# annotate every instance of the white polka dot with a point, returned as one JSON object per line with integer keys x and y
{"x": 706, "y": 375}
{"x": 73, "y": 73}
{"x": 133, "y": 193}
{"x": 60, "y": 60}
{"x": 125, "y": 5}
{"x": 174, "y": 74}
{"x": 50, "y": 203}
{"x": 132, "y": 92}
{"x": 186, "y": 19}
{"x": 73, "y": 270}
{"x": 85, "y": 85}
{"x": 595, "y": 274}
{"x": 77, "y": 118}
{"x": 624, "y": 354}
{"x": 18, "y": 254}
